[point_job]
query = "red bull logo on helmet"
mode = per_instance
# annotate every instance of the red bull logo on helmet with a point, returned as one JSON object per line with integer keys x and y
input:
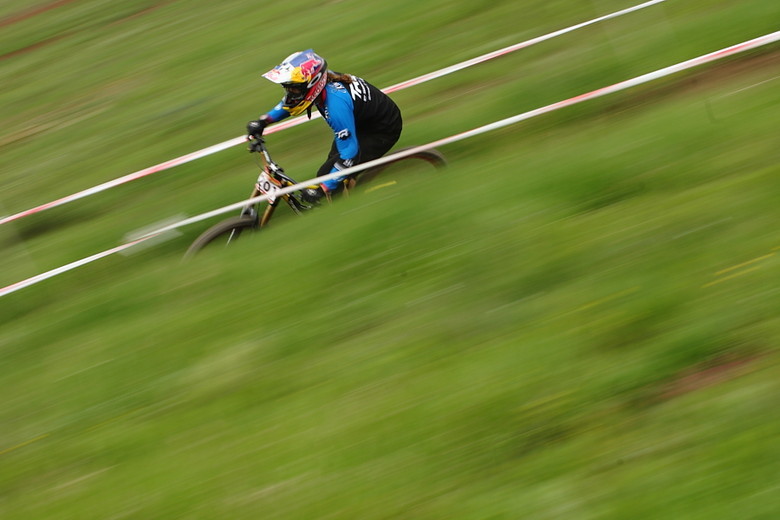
{"x": 309, "y": 67}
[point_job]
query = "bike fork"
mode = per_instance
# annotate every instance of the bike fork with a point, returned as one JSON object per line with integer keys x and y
{"x": 269, "y": 211}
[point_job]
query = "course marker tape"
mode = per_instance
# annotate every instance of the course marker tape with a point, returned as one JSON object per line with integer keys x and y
{"x": 707, "y": 58}
{"x": 623, "y": 85}
{"x": 302, "y": 119}
{"x": 65, "y": 268}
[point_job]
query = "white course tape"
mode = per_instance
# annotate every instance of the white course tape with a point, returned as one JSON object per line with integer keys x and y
{"x": 300, "y": 120}
{"x": 65, "y": 268}
{"x": 701, "y": 60}
{"x": 735, "y": 49}
{"x": 515, "y": 47}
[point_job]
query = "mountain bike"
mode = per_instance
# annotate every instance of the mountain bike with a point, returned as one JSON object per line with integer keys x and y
{"x": 271, "y": 180}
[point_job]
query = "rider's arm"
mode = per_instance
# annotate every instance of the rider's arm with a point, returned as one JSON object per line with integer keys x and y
{"x": 255, "y": 128}
{"x": 277, "y": 113}
{"x": 342, "y": 121}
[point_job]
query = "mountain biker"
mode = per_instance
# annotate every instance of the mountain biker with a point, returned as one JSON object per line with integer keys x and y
{"x": 366, "y": 123}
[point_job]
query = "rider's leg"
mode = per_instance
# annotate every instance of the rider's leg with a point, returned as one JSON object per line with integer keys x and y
{"x": 372, "y": 146}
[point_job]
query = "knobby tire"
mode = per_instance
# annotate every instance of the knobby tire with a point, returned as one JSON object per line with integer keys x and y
{"x": 433, "y": 157}
{"x": 222, "y": 230}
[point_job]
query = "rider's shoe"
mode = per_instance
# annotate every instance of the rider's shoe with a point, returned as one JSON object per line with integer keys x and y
{"x": 313, "y": 194}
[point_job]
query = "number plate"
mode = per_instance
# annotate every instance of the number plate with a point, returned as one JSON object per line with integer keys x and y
{"x": 267, "y": 186}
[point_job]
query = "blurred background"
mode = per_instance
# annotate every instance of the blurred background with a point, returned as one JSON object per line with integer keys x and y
{"x": 576, "y": 319}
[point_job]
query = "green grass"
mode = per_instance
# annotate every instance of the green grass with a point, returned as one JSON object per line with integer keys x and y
{"x": 577, "y": 319}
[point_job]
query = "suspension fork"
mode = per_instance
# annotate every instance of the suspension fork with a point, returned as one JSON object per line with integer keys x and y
{"x": 269, "y": 211}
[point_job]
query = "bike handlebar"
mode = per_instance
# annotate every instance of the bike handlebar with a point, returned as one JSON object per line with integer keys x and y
{"x": 257, "y": 145}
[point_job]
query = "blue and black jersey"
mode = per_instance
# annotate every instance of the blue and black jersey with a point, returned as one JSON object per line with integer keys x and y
{"x": 366, "y": 123}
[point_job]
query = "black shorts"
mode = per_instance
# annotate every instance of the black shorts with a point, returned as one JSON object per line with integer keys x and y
{"x": 372, "y": 146}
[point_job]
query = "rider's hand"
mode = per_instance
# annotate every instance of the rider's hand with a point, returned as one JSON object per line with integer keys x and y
{"x": 255, "y": 128}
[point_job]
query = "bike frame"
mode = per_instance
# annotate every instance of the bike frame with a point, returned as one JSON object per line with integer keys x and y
{"x": 270, "y": 180}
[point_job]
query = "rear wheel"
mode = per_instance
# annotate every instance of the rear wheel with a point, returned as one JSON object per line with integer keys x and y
{"x": 432, "y": 157}
{"x": 222, "y": 233}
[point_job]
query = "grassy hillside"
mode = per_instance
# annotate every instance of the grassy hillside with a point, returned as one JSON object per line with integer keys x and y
{"x": 577, "y": 319}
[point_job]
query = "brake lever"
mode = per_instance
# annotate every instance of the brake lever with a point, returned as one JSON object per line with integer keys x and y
{"x": 256, "y": 144}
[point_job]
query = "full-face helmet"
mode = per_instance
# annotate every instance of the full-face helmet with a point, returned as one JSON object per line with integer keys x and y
{"x": 303, "y": 76}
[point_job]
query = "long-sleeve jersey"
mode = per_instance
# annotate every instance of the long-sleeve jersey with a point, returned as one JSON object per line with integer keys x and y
{"x": 351, "y": 110}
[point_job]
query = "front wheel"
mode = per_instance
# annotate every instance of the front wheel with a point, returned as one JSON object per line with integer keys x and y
{"x": 224, "y": 233}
